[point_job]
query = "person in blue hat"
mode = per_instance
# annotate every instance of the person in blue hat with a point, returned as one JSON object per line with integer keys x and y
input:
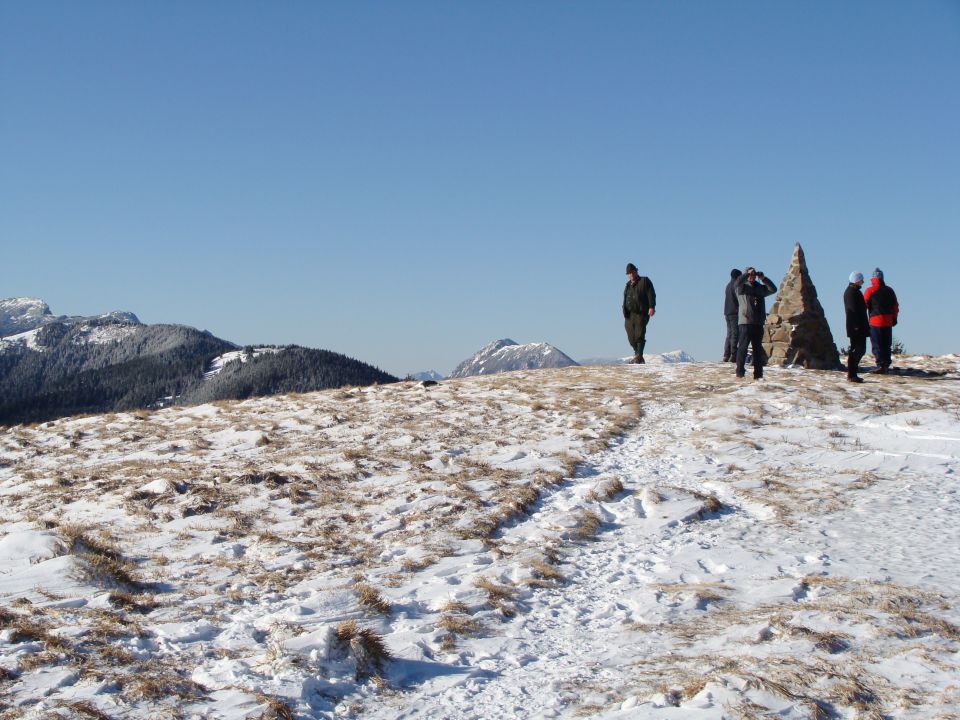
{"x": 884, "y": 310}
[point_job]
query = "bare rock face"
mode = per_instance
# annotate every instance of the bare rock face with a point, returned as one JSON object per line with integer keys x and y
{"x": 796, "y": 331}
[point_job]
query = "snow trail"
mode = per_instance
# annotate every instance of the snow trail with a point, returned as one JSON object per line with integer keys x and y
{"x": 697, "y": 596}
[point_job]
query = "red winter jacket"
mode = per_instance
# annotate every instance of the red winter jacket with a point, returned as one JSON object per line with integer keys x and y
{"x": 881, "y": 301}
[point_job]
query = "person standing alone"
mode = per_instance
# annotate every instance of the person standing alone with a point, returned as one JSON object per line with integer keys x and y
{"x": 857, "y": 327}
{"x": 751, "y": 316}
{"x": 882, "y": 305}
{"x": 731, "y": 308}
{"x": 639, "y": 305}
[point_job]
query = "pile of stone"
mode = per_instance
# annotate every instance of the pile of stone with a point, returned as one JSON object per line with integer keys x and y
{"x": 796, "y": 331}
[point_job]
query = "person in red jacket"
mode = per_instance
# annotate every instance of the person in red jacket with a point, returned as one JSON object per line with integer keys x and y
{"x": 883, "y": 309}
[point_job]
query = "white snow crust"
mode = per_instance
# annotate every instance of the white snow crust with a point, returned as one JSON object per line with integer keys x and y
{"x": 654, "y": 541}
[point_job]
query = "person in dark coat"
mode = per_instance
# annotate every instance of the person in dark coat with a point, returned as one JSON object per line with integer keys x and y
{"x": 857, "y": 326}
{"x": 752, "y": 287}
{"x": 884, "y": 310}
{"x": 639, "y": 305}
{"x": 731, "y": 308}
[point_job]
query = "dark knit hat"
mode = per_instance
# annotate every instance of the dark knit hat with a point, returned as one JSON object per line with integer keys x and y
{"x": 735, "y": 273}
{"x": 878, "y": 273}
{"x": 631, "y": 268}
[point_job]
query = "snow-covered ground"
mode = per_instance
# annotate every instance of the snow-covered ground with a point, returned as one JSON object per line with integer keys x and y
{"x": 650, "y": 541}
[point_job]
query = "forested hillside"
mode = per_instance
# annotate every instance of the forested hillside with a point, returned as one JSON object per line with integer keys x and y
{"x": 62, "y": 371}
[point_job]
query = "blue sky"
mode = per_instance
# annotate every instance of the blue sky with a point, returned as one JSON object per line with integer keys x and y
{"x": 404, "y": 182}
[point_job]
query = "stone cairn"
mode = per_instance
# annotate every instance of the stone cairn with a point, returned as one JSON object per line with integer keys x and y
{"x": 796, "y": 331}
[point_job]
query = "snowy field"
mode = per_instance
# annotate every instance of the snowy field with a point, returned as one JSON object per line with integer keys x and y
{"x": 659, "y": 541}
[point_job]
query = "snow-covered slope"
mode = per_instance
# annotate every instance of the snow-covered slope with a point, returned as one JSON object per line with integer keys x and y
{"x": 609, "y": 542}
{"x": 506, "y": 355}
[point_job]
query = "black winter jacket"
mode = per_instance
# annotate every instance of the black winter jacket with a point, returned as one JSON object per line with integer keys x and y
{"x": 856, "y": 310}
{"x": 639, "y": 298}
{"x": 731, "y": 306}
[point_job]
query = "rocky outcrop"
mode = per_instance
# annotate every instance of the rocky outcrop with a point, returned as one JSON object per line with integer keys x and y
{"x": 21, "y": 314}
{"x": 796, "y": 331}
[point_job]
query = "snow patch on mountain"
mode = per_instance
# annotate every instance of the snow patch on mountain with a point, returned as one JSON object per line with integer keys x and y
{"x": 507, "y": 355}
{"x": 218, "y": 363}
{"x": 14, "y": 343}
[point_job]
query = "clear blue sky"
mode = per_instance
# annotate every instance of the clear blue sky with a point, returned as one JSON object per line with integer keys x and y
{"x": 404, "y": 182}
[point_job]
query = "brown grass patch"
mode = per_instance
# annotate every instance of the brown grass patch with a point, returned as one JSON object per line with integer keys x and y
{"x": 368, "y": 649}
{"x": 606, "y": 490}
{"x": 369, "y": 597}
{"x": 498, "y": 596}
{"x": 588, "y": 524}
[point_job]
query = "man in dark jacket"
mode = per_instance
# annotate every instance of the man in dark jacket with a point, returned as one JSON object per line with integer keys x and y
{"x": 731, "y": 308}
{"x": 884, "y": 309}
{"x": 752, "y": 288}
{"x": 857, "y": 327}
{"x": 639, "y": 305}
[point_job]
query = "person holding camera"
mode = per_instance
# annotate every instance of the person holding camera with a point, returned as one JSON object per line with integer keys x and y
{"x": 752, "y": 287}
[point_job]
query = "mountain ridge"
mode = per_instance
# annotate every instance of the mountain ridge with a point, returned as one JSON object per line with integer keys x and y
{"x": 54, "y": 366}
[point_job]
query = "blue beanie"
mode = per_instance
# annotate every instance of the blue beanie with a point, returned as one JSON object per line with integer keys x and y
{"x": 878, "y": 273}
{"x": 856, "y": 277}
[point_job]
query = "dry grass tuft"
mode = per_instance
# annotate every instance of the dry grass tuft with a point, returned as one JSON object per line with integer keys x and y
{"x": 711, "y": 504}
{"x": 277, "y": 709}
{"x": 129, "y": 601}
{"x": 369, "y": 597}
{"x": 410, "y": 565}
{"x": 606, "y": 491}
{"x": 588, "y": 524}
{"x": 498, "y": 596}
{"x": 460, "y": 625}
{"x": 153, "y": 682}
{"x": 368, "y": 649}
{"x": 86, "y": 709}
{"x": 100, "y": 556}
{"x": 545, "y": 573}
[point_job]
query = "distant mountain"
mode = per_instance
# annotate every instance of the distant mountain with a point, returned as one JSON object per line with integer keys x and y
{"x": 506, "y": 355}
{"x": 54, "y": 366}
{"x": 674, "y": 356}
{"x": 21, "y": 315}
{"x": 427, "y": 375}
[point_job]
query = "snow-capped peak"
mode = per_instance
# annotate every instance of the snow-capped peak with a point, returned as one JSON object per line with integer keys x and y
{"x": 506, "y": 355}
